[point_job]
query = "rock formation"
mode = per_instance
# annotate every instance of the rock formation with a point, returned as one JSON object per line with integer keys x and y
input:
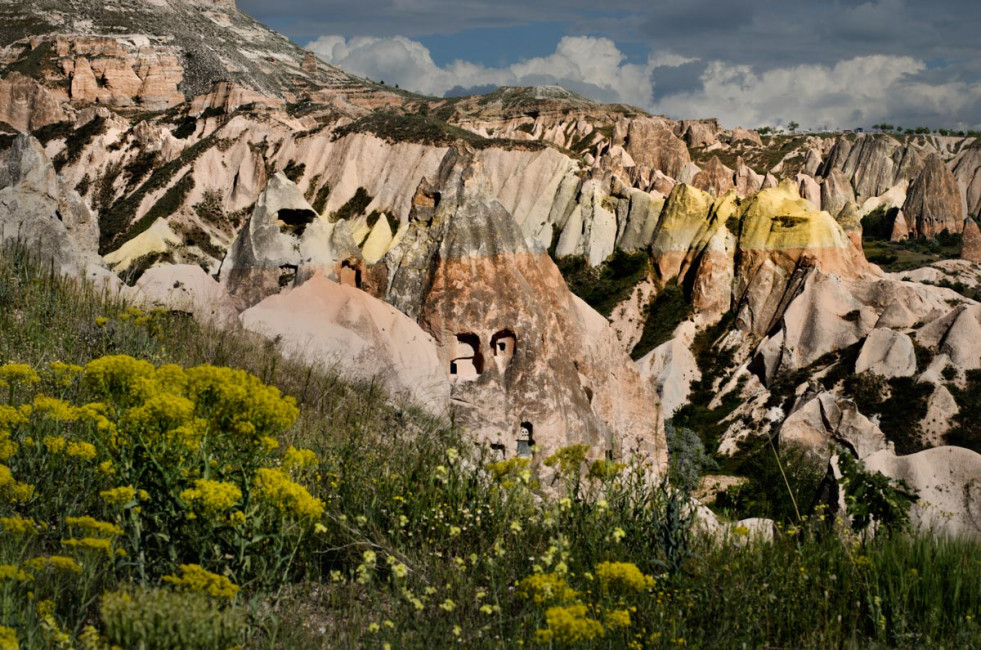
{"x": 934, "y": 202}
{"x": 520, "y": 349}
{"x": 971, "y": 242}
{"x": 343, "y": 329}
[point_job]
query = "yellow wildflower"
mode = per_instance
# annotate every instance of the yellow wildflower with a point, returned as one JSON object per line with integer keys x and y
{"x": 118, "y": 496}
{"x": 8, "y": 638}
{"x": 94, "y": 526}
{"x": 58, "y": 563}
{"x": 11, "y": 572}
{"x": 195, "y": 578}
{"x": 8, "y": 449}
{"x": 53, "y": 408}
{"x": 18, "y": 525}
{"x": 90, "y": 543}
{"x": 54, "y": 444}
{"x": 11, "y": 417}
{"x": 623, "y": 576}
{"x": 18, "y": 373}
{"x": 546, "y": 588}
{"x": 618, "y": 618}
{"x": 275, "y": 487}
{"x": 212, "y": 497}
{"x": 299, "y": 459}
{"x": 63, "y": 374}
{"x": 83, "y": 450}
{"x": 13, "y": 490}
{"x": 568, "y": 625}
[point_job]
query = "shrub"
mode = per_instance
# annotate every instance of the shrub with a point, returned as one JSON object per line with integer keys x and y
{"x": 607, "y": 285}
{"x": 162, "y": 619}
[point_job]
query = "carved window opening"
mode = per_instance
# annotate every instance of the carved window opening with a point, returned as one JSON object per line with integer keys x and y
{"x": 466, "y": 361}
{"x": 294, "y": 222}
{"x": 503, "y": 345}
{"x": 526, "y": 439}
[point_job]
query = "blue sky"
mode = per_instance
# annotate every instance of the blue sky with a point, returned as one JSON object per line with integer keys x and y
{"x": 748, "y": 62}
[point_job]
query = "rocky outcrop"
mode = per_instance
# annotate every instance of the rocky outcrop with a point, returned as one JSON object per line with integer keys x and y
{"x": 945, "y": 479}
{"x": 43, "y": 214}
{"x": 685, "y": 215}
{"x": 823, "y": 419}
{"x": 933, "y": 203}
{"x": 340, "y": 328}
{"x": 26, "y": 105}
{"x": 900, "y": 228}
{"x": 966, "y": 168}
{"x": 740, "y": 135}
{"x": 971, "y": 241}
{"x": 671, "y": 367}
{"x": 782, "y": 236}
{"x": 652, "y": 143}
{"x": 747, "y": 181}
{"x": 112, "y": 72}
{"x": 284, "y": 242}
{"x": 715, "y": 178}
{"x": 809, "y": 190}
{"x": 887, "y": 353}
{"x": 522, "y": 352}
{"x": 836, "y": 193}
{"x": 186, "y": 288}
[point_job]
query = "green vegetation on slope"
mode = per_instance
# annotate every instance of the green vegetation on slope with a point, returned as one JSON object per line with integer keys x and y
{"x": 605, "y": 286}
{"x": 342, "y": 520}
{"x": 903, "y": 255}
{"x": 423, "y": 129}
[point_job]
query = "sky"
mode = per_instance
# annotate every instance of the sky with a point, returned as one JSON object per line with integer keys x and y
{"x": 752, "y": 63}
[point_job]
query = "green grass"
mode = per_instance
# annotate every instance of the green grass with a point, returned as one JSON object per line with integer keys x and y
{"x": 418, "y": 548}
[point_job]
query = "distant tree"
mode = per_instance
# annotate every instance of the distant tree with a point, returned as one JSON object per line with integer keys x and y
{"x": 793, "y": 126}
{"x": 922, "y": 130}
{"x": 765, "y": 130}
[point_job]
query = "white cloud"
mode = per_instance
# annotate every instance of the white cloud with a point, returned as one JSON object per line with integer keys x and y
{"x": 857, "y": 91}
{"x": 594, "y": 66}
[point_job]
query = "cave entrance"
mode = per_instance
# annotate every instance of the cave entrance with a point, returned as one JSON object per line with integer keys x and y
{"x": 294, "y": 222}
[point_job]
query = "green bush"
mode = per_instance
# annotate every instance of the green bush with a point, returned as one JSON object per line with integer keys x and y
{"x": 163, "y": 619}
{"x": 610, "y": 283}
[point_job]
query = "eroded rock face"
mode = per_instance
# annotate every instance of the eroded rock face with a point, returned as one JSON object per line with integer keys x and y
{"x": 715, "y": 178}
{"x": 825, "y": 418}
{"x": 887, "y": 353}
{"x": 971, "y": 243}
{"x": 781, "y": 237}
{"x": 520, "y": 349}
{"x": 337, "y": 327}
{"x": 187, "y": 288}
{"x": 652, "y": 143}
{"x": 685, "y": 214}
{"x": 946, "y": 480}
{"x": 26, "y": 105}
{"x": 836, "y": 193}
{"x": 39, "y": 210}
{"x": 933, "y": 203}
{"x": 671, "y": 367}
